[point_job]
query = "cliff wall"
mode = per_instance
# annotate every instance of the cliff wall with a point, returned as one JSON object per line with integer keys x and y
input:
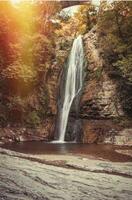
{"x": 102, "y": 113}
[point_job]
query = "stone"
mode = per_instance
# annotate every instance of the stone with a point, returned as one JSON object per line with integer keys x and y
{"x": 22, "y": 139}
{"x": 100, "y": 131}
{"x": 126, "y": 132}
{"x": 98, "y": 92}
{"x": 124, "y": 137}
{"x": 123, "y": 140}
{"x": 100, "y": 102}
{"x": 21, "y": 178}
{"x": 21, "y": 134}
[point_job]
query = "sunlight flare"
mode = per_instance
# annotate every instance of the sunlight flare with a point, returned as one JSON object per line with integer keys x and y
{"x": 14, "y": 2}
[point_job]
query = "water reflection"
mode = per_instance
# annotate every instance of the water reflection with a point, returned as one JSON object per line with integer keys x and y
{"x": 98, "y": 151}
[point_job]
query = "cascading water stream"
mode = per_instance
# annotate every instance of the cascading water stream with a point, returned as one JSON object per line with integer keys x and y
{"x": 73, "y": 84}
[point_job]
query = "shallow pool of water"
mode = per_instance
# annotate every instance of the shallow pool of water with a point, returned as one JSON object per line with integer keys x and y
{"x": 96, "y": 150}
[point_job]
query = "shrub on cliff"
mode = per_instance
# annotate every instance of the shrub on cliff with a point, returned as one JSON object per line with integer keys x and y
{"x": 115, "y": 36}
{"x": 115, "y": 41}
{"x": 33, "y": 119}
{"x": 20, "y": 72}
{"x": 27, "y": 51}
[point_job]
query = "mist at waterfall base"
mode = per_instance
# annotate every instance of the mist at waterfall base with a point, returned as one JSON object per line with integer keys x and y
{"x": 72, "y": 82}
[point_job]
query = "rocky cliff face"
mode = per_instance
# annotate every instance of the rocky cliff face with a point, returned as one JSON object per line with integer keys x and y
{"x": 46, "y": 129}
{"x": 99, "y": 98}
{"x": 101, "y": 117}
{"x": 22, "y": 134}
{"x": 100, "y": 104}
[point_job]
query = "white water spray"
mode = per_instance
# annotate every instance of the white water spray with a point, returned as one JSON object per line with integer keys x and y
{"x": 73, "y": 84}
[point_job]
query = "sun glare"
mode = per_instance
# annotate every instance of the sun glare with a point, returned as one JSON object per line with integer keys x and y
{"x": 14, "y": 2}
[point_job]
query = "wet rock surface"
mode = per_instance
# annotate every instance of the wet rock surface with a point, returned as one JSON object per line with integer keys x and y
{"x": 23, "y": 179}
{"x": 21, "y": 134}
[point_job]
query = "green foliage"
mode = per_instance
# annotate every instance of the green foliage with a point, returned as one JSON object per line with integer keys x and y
{"x": 125, "y": 66}
{"x": 98, "y": 73}
{"x": 33, "y": 120}
{"x": 85, "y": 18}
{"x": 115, "y": 41}
{"x": 42, "y": 50}
{"x": 21, "y": 72}
{"x": 81, "y": 22}
{"x": 27, "y": 51}
{"x": 32, "y": 39}
{"x": 43, "y": 101}
{"x": 115, "y": 36}
{"x": 16, "y": 102}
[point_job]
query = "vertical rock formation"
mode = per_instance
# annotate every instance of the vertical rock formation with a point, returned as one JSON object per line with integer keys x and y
{"x": 100, "y": 103}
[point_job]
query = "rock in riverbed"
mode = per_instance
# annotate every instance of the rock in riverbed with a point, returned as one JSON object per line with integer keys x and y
{"x": 23, "y": 179}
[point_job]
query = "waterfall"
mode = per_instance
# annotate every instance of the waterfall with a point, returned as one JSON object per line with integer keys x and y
{"x": 73, "y": 84}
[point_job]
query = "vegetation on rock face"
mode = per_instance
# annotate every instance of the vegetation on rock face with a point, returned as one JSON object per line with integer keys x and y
{"x": 34, "y": 38}
{"x": 85, "y": 18}
{"x": 115, "y": 35}
{"x": 27, "y": 52}
{"x": 115, "y": 41}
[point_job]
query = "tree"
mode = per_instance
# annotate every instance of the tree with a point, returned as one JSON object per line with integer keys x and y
{"x": 115, "y": 36}
{"x": 27, "y": 43}
{"x": 85, "y": 18}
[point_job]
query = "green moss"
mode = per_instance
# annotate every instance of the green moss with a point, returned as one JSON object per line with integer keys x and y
{"x": 98, "y": 73}
{"x": 33, "y": 120}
